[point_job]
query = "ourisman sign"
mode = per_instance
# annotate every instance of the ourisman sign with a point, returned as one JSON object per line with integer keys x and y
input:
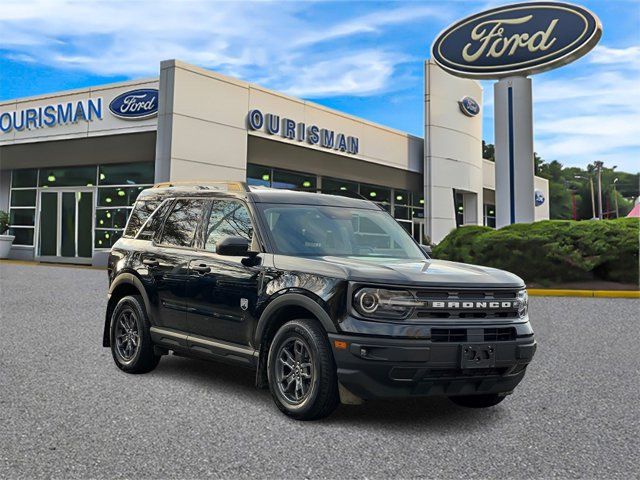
{"x": 519, "y": 39}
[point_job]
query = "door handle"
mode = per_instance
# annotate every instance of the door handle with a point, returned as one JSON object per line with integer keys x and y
{"x": 201, "y": 269}
{"x": 151, "y": 262}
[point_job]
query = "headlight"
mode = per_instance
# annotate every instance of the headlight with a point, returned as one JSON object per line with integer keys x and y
{"x": 382, "y": 303}
{"x": 523, "y": 303}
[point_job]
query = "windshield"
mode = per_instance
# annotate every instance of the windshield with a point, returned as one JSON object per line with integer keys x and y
{"x": 309, "y": 230}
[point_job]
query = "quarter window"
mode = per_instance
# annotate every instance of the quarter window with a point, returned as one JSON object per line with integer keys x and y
{"x": 182, "y": 223}
{"x": 227, "y": 218}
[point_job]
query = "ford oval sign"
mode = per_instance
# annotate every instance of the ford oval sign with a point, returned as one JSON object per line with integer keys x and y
{"x": 518, "y": 39}
{"x": 469, "y": 106}
{"x": 539, "y": 198}
{"x": 135, "y": 104}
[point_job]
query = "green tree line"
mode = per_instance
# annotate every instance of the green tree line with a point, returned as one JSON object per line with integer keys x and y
{"x": 572, "y": 184}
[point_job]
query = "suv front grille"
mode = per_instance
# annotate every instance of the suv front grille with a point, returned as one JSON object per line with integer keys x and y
{"x": 466, "y": 304}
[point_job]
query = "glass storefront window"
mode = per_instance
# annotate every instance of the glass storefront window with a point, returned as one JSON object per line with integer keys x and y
{"x": 24, "y": 178}
{"x": 106, "y": 238}
{"x": 375, "y": 193}
{"x": 402, "y": 213}
{"x": 401, "y": 197}
{"x": 118, "y": 196}
{"x": 293, "y": 181}
{"x": 22, "y": 216}
{"x": 258, "y": 175}
{"x": 333, "y": 185}
{"x": 68, "y": 177}
{"x": 24, "y": 236}
{"x": 112, "y": 217}
{"x": 23, "y": 198}
{"x": 126, "y": 174}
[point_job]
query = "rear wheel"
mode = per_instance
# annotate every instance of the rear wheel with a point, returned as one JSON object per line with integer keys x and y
{"x": 478, "y": 401}
{"x": 301, "y": 371}
{"x": 131, "y": 344}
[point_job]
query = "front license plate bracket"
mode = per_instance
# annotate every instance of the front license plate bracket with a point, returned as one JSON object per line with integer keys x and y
{"x": 478, "y": 356}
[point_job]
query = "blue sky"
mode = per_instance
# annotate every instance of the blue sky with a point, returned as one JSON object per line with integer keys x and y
{"x": 365, "y": 58}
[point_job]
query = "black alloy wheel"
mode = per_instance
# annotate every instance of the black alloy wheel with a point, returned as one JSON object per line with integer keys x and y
{"x": 131, "y": 345}
{"x": 301, "y": 371}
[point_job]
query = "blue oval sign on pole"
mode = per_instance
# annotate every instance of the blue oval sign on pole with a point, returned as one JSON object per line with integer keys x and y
{"x": 518, "y": 39}
{"x": 135, "y": 104}
{"x": 469, "y": 106}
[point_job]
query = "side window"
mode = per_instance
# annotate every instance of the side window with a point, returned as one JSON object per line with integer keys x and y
{"x": 228, "y": 218}
{"x": 141, "y": 211}
{"x": 155, "y": 222}
{"x": 181, "y": 224}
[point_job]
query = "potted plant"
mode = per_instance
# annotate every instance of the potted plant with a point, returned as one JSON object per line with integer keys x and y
{"x": 5, "y": 240}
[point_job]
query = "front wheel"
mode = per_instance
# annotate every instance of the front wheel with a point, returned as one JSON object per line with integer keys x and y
{"x": 478, "y": 401}
{"x": 131, "y": 344}
{"x": 301, "y": 371}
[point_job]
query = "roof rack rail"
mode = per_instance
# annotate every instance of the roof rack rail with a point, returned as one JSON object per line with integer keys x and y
{"x": 229, "y": 186}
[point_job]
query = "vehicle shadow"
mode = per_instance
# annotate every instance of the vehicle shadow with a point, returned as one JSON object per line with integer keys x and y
{"x": 436, "y": 413}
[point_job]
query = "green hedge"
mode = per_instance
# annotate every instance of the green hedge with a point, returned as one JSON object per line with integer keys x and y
{"x": 551, "y": 251}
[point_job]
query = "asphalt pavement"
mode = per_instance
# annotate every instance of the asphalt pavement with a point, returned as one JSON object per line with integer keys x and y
{"x": 66, "y": 411}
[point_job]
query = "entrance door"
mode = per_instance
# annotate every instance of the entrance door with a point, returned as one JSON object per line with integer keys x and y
{"x": 66, "y": 225}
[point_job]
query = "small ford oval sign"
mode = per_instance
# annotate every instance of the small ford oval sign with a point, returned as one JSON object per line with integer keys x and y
{"x": 135, "y": 104}
{"x": 539, "y": 198}
{"x": 518, "y": 39}
{"x": 469, "y": 106}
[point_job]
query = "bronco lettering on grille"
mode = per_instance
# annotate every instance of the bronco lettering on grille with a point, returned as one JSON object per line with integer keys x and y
{"x": 472, "y": 304}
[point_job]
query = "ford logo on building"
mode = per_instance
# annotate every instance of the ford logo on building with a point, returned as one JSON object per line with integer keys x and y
{"x": 135, "y": 104}
{"x": 469, "y": 106}
{"x": 539, "y": 198}
{"x": 518, "y": 39}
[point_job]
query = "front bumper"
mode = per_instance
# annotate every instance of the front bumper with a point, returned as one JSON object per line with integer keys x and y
{"x": 373, "y": 367}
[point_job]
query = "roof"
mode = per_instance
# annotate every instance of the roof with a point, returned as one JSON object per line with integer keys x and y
{"x": 255, "y": 194}
{"x": 273, "y": 195}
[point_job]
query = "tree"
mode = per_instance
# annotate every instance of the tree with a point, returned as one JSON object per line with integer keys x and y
{"x": 563, "y": 181}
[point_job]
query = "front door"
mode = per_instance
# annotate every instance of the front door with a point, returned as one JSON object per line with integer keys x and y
{"x": 221, "y": 291}
{"x": 65, "y": 228}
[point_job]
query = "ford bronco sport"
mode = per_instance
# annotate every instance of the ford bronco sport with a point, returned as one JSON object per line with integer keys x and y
{"x": 326, "y": 297}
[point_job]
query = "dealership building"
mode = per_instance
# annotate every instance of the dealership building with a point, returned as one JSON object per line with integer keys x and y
{"x": 72, "y": 163}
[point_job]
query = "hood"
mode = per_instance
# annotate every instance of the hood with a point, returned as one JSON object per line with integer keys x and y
{"x": 414, "y": 273}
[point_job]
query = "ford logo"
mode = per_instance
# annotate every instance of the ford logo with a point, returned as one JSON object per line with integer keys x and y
{"x": 518, "y": 39}
{"x": 469, "y": 106}
{"x": 539, "y": 198}
{"x": 135, "y": 104}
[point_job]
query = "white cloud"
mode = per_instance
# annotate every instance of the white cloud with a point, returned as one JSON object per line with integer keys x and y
{"x": 603, "y": 55}
{"x": 282, "y": 46}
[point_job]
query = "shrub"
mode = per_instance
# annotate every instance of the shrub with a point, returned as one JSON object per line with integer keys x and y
{"x": 552, "y": 250}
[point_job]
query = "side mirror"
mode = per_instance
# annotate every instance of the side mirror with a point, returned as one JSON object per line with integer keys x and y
{"x": 427, "y": 249}
{"x": 233, "y": 246}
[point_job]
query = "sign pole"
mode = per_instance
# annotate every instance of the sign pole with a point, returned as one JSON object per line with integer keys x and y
{"x": 514, "y": 151}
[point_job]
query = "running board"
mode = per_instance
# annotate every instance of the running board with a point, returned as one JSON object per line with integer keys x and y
{"x": 202, "y": 346}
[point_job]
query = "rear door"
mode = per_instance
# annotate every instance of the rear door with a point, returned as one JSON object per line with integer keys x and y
{"x": 168, "y": 261}
{"x": 222, "y": 291}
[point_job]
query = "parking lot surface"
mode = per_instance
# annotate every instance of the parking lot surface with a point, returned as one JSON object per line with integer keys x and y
{"x": 66, "y": 411}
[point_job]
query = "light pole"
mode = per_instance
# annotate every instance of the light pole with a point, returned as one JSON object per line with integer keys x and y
{"x": 593, "y": 201}
{"x": 598, "y": 164}
{"x": 615, "y": 196}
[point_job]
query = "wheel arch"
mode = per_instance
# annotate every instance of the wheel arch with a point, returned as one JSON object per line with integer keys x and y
{"x": 123, "y": 285}
{"x": 286, "y": 307}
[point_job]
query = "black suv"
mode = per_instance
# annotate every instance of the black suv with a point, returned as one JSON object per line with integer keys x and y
{"x": 327, "y": 297}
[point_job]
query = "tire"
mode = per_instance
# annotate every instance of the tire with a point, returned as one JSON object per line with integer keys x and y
{"x": 478, "y": 401}
{"x": 132, "y": 350}
{"x": 299, "y": 357}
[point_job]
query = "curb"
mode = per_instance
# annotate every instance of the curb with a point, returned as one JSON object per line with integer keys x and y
{"x": 551, "y": 292}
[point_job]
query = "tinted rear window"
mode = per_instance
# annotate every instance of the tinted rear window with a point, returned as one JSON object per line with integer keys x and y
{"x": 141, "y": 211}
{"x": 181, "y": 224}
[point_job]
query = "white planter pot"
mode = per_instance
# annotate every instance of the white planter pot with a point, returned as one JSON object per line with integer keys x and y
{"x": 5, "y": 245}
